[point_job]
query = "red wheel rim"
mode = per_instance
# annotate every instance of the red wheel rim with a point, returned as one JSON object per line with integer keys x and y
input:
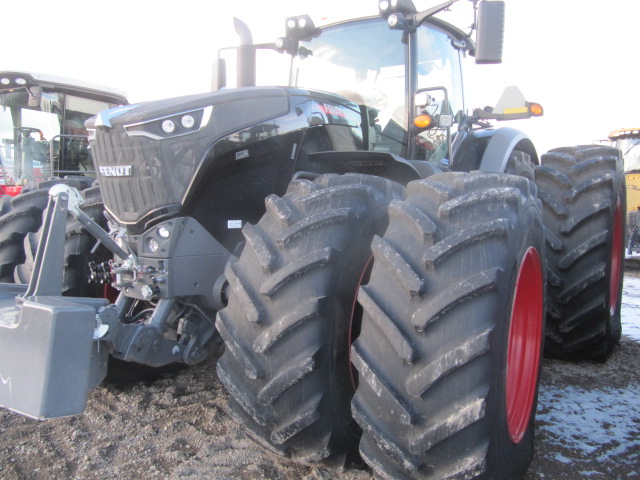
{"x": 616, "y": 259}
{"x": 525, "y": 337}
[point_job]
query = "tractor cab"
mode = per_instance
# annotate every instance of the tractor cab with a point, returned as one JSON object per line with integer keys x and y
{"x": 341, "y": 60}
{"x": 42, "y": 131}
{"x": 403, "y": 68}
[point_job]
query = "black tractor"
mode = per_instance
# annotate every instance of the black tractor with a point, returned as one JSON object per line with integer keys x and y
{"x": 377, "y": 258}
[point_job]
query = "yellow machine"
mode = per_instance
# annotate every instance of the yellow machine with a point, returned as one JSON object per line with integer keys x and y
{"x": 628, "y": 141}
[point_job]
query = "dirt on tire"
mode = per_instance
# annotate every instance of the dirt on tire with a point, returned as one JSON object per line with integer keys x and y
{"x": 434, "y": 396}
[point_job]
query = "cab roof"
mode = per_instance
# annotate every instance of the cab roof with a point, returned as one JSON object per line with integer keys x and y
{"x": 7, "y": 79}
{"x": 625, "y": 132}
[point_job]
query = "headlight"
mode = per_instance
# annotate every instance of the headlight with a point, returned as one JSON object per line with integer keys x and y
{"x": 164, "y": 232}
{"x": 152, "y": 245}
{"x": 188, "y": 121}
{"x": 168, "y": 126}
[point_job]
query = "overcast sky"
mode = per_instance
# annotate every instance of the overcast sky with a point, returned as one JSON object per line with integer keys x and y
{"x": 574, "y": 57}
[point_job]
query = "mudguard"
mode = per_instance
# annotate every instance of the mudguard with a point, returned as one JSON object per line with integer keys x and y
{"x": 503, "y": 142}
{"x": 488, "y": 150}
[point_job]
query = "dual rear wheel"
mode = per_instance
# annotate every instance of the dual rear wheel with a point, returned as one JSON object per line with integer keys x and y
{"x": 448, "y": 326}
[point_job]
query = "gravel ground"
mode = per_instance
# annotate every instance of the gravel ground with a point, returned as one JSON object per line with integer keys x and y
{"x": 173, "y": 423}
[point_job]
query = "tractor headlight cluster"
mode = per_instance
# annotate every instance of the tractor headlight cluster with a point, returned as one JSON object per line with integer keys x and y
{"x": 158, "y": 239}
{"x": 300, "y": 27}
{"x": 13, "y": 81}
{"x": 388, "y": 7}
{"x": 172, "y": 125}
{"x": 396, "y": 12}
{"x": 296, "y": 29}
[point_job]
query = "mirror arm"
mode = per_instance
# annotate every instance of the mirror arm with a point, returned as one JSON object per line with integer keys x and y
{"x": 418, "y": 18}
{"x": 484, "y": 114}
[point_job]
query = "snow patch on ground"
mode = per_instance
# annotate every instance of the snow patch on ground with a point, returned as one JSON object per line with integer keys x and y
{"x": 586, "y": 423}
{"x": 631, "y": 305}
{"x": 603, "y": 424}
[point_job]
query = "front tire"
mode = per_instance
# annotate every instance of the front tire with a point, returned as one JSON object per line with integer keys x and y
{"x": 290, "y": 314}
{"x": 449, "y": 351}
{"x": 584, "y": 197}
{"x": 78, "y": 250}
{"x": 21, "y": 215}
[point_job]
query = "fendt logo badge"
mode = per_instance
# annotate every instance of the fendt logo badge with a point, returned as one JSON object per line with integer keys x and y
{"x": 117, "y": 171}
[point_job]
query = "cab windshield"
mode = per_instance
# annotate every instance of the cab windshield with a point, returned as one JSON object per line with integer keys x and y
{"x": 44, "y": 138}
{"x": 366, "y": 62}
{"x": 630, "y": 148}
{"x": 363, "y": 62}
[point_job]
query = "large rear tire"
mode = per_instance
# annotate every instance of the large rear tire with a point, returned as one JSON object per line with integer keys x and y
{"x": 291, "y": 311}
{"x": 451, "y": 339}
{"x": 584, "y": 197}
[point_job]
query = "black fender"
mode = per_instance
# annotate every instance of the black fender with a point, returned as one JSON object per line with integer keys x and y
{"x": 382, "y": 164}
{"x": 489, "y": 150}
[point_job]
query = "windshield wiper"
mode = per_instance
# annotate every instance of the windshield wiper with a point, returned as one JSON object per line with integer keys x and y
{"x": 630, "y": 148}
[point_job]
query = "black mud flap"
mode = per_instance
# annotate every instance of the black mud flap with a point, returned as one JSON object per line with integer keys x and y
{"x": 49, "y": 359}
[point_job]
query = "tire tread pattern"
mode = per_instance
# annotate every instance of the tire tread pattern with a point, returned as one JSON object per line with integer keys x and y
{"x": 278, "y": 366}
{"x": 424, "y": 415}
{"x": 580, "y": 188}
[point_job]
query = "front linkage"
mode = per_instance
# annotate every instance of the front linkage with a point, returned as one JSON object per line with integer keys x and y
{"x": 54, "y": 349}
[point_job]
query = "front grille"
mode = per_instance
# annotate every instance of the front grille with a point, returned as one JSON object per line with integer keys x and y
{"x": 160, "y": 172}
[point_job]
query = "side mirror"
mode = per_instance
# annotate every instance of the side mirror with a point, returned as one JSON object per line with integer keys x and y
{"x": 432, "y": 109}
{"x": 35, "y": 96}
{"x": 490, "y": 33}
